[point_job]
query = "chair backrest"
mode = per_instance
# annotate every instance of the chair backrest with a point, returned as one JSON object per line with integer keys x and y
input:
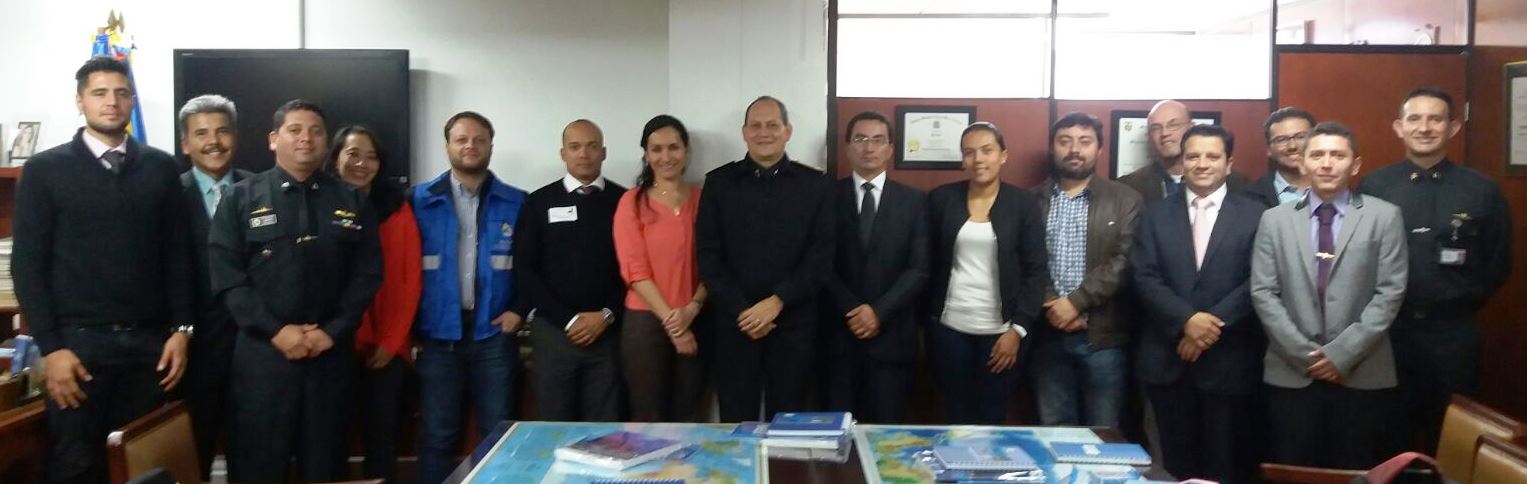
{"x": 160, "y": 439}
{"x": 1292, "y": 474}
{"x": 1499, "y": 461}
{"x": 1465, "y": 421}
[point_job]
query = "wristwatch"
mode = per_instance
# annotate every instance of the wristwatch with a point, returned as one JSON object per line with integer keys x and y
{"x": 186, "y": 329}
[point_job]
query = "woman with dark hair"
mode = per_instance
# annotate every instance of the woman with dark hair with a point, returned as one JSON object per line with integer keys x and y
{"x": 655, "y": 242}
{"x": 356, "y": 157}
{"x": 989, "y": 264}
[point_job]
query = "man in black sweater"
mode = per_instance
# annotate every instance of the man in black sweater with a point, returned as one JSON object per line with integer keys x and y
{"x": 571, "y": 279}
{"x": 103, "y": 274}
{"x": 764, "y": 244}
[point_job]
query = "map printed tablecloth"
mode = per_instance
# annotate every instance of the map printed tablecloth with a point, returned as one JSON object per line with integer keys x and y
{"x": 889, "y": 454}
{"x": 714, "y": 456}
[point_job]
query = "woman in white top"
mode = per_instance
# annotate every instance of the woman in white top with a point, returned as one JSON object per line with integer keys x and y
{"x": 987, "y": 280}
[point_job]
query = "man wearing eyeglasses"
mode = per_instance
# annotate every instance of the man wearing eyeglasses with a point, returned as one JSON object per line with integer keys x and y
{"x": 880, "y": 269}
{"x": 1287, "y": 131}
{"x": 1166, "y": 123}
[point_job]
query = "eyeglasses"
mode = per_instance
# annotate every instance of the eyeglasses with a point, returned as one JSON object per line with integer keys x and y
{"x": 873, "y": 141}
{"x": 1283, "y": 140}
{"x": 1174, "y": 126}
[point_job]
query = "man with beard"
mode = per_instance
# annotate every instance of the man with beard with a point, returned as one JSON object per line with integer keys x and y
{"x": 103, "y": 274}
{"x": 1166, "y": 123}
{"x": 295, "y": 256}
{"x": 1287, "y": 130}
{"x": 1458, "y": 226}
{"x": 571, "y": 277}
{"x": 1079, "y": 366}
{"x": 467, "y": 345}
{"x": 208, "y": 137}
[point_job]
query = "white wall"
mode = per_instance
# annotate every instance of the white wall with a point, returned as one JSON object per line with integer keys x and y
{"x": 722, "y": 54}
{"x": 531, "y": 66}
{"x": 42, "y": 43}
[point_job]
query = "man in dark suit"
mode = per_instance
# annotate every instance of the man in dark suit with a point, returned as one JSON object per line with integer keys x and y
{"x": 569, "y": 272}
{"x": 208, "y": 138}
{"x": 1080, "y": 365}
{"x": 764, "y": 244}
{"x": 881, "y": 267}
{"x": 1166, "y": 123}
{"x": 1287, "y": 130}
{"x": 1201, "y": 345}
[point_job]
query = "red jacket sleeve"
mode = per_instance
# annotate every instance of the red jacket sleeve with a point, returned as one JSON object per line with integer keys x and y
{"x": 402, "y": 281}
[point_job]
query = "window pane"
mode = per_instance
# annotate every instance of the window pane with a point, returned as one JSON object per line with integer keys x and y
{"x": 1184, "y": 49}
{"x": 1378, "y": 22}
{"x": 1037, "y": 7}
{"x": 943, "y": 57}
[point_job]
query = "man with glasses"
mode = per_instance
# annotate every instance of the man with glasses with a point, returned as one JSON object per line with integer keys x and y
{"x": 1166, "y": 123}
{"x": 881, "y": 266}
{"x": 1287, "y": 131}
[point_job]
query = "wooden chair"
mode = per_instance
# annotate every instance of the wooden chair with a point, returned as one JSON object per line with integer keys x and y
{"x": 1499, "y": 461}
{"x": 1464, "y": 423}
{"x": 160, "y": 439}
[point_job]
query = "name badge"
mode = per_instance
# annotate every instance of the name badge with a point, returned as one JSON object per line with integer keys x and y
{"x": 1452, "y": 257}
{"x": 502, "y": 262}
{"x": 431, "y": 262}
{"x": 562, "y": 214}
{"x": 262, "y": 221}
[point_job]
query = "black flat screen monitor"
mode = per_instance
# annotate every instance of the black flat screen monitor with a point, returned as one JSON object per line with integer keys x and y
{"x": 367, "y": 87}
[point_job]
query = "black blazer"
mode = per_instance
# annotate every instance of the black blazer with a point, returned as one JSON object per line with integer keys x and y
{"x": 1263, "y": 190}
{"x": 214, "y": 326}
{"x": 888, "y": 274}
{"x": 1171, "y": 289}
{"x": 1022, "y": 265}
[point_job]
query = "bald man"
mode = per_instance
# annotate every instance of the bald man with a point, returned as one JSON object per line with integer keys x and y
{"x": 566, "y": 266}
{"x": 1166, "y": 123}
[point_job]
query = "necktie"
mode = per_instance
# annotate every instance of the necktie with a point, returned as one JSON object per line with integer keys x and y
{"x": 1172, "y": 187}
{"x": 866, "y": 213}
{"x": 115, "y": 159}
{"x": 587, "y": 190}
{"x": 1201, "y": 229}
{"x": 1326, "y": 213}
{"x": 216, "y": 192}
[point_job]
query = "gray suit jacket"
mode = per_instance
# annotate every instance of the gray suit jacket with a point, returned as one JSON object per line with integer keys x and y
{"x": 1363, "y": 295}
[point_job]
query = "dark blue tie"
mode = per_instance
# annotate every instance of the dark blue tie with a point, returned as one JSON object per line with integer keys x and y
{"x": 866, "y": 214}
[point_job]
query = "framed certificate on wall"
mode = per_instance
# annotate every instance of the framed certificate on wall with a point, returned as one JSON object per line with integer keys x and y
{"x": 1131, "y": 132}
{"x": 1516, "y": 118}
{"x": 928, "y": 137}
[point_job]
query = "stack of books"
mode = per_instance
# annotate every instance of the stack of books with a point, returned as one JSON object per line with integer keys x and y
{"x": 1107, "y": 453}
{"x": 958, "y": 463}
{"x": 825, "y": 436}
{"x": 7, "y": 287}
{"x": 617, "y": 451}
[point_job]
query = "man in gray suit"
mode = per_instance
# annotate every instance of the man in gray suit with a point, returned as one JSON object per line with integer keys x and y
{"x": 1327, "y": 278}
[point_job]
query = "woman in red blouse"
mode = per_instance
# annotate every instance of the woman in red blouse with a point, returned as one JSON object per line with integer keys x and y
{"x": 382, "y": 342}
{"x": 655, "y": 241}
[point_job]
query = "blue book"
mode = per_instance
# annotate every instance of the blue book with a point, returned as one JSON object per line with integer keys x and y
{"x": 967, "y": 458}
{"x": 1113, "y": 453}
{"x": 810, "y": 424}
{"x": 751, "y": 430}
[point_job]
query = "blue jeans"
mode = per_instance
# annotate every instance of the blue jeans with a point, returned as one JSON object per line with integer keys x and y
{"x": 972, "y": 394}
{"x": 448, "y": 372}
{"x": 1075, "y": 384}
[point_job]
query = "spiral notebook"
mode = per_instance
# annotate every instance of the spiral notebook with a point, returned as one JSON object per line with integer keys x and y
{"x": 1118, "y": 454}
{"x": 966, "y": 458}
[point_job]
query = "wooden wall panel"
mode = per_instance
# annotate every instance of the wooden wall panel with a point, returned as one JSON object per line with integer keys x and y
{"x": 1501, "y": 320}
{"x": 1364, "y": 90}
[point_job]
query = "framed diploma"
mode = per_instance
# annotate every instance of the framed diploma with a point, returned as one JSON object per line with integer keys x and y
{"x": 1129, "y": 151}
{"x": 1516, "y": 118}
{"x": 928, "y": 137}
